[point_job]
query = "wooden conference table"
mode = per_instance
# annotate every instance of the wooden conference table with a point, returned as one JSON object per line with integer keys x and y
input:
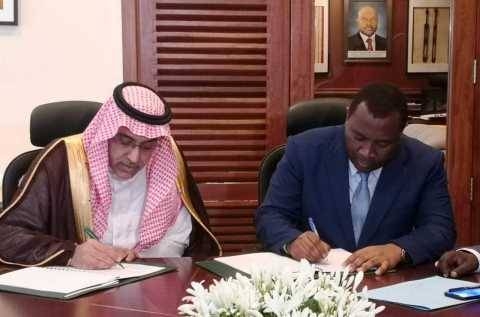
{"x": 161, "y": 295}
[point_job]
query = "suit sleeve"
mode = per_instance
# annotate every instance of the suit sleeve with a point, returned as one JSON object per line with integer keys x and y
{"x": 277, "y": 219}
{"x": 434, "y": 227}
{"x": 25, "y": 227}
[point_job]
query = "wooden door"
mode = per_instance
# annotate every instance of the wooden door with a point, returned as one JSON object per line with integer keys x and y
{"x": 224, "y": 67}
{"x": 463, "y": 122}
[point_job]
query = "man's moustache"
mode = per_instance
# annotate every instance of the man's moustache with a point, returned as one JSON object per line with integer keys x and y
{"x": 130, "y": 165}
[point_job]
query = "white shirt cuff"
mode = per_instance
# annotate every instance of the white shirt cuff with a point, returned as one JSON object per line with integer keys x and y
{"x": 474, "y": 252}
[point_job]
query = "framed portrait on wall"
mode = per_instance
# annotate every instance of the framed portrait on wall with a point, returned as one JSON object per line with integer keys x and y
{"x": 321, "y": 36}
{"x": 368, "y": 30}
{"x": 428, "y": 36}
{"x": 8, "y": 12}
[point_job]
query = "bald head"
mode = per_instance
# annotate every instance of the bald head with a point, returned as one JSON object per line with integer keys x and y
{"x": 367, "y": 20}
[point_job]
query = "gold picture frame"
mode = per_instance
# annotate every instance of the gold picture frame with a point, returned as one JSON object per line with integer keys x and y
{"x": 367, "y": 31}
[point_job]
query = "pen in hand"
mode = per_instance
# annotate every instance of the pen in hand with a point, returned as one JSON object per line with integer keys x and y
{"x": 89, "y": 232}
{"x": 313, "y": 228}
{"x": 311, "y": 224}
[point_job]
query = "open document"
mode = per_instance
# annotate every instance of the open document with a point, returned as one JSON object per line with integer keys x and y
{"x": 245, "y": 263}
{"x": 65, "y": 282}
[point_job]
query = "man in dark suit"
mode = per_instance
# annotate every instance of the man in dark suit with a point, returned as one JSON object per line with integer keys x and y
{"x": 459, "y": 262}
{"x": 366, "y": 39}
{"x": 366, "y": 187}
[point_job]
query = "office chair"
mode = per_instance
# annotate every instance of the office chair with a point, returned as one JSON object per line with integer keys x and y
{"x": 305, "y": 115}
{"x": 47, "y": 122}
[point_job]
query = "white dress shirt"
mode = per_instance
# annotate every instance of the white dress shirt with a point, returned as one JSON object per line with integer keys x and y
{"x": 475, "y": 253}
{"x": 128, "y": 200}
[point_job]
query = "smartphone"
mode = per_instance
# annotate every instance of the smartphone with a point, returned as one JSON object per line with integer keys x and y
{"x": 464, "y": 292}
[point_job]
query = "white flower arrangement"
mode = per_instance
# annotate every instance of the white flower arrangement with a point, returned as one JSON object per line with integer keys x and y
{"x": 278, "y": 293}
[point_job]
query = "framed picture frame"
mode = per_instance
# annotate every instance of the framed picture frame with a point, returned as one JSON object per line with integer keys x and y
{"x": 368, "y": 30}
{"x": 321, "y": 31}
{"x": 428, "y": 36}
{"x": 8, "y": 12}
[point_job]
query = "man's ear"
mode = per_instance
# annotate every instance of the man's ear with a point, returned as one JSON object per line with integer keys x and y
{"x": 348, "y": 113}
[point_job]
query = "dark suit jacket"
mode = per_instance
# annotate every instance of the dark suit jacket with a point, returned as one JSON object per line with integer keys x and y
{"x": 355, "y": 43}
{"x": 410, "y": 206}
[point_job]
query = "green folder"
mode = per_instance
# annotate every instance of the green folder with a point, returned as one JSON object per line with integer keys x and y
{"x": 220, "y": 269}
{"x": 67, "y": 283}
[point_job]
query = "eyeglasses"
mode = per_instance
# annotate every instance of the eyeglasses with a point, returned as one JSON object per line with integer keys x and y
{"x": 127, "y": 142}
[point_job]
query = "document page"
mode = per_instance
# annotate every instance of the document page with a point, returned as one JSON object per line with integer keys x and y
{"x": 247, "y": 262}
{"x": 334, "y": 260}
{"x": 250, "y": 261}
{"x": 116, "y": 272}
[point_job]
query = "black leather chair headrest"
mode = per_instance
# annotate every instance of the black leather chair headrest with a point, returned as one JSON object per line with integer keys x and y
{"x": 315, "y": 113}
{"x": 58, "y": 119}
{"x": 267, "y": 167}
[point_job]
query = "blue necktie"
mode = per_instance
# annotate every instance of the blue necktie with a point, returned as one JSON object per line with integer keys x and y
{"x": 360, "y": 205}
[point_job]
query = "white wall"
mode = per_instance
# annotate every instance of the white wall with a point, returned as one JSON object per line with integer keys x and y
{"x": 60, "y": 50}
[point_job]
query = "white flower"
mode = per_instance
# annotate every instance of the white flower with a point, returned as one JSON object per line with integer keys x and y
{"x": 281, "y": 293}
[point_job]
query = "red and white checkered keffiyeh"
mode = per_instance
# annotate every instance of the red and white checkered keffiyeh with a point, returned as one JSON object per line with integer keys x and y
{"x": 162, "y": 202}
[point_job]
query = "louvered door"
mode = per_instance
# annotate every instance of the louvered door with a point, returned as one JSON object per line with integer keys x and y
{"x": 210, "y": 59}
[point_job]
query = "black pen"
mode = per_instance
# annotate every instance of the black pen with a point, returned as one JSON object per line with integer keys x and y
{"x": 371, "y": 271}
{"x": 89, "y": 232}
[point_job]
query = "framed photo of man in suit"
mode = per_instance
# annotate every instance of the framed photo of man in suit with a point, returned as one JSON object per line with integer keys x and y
{"x": 368, "y": 29}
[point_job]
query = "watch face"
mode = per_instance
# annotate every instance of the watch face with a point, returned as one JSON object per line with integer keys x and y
{"x": 285, "y": 249}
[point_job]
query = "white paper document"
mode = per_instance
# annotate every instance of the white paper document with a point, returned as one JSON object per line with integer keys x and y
{"x": 334, "y": 260}
{"x": 247, "y": 262}
{"x": 424, "y": 294}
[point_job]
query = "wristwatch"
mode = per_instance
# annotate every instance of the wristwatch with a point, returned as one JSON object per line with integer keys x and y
{"x": 404, "y": 257}
{"x": 285, "y": 249}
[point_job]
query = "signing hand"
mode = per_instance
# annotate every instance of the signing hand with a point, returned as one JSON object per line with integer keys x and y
{"x": 308, "y": 246}
{"x": 457, "y": 263}
{"x": 382, "y": 257}
{"x": 95, "y": 255}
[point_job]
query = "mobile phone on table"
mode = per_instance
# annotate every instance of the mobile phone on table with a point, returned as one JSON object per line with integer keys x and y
{"x": 465, "y": 293}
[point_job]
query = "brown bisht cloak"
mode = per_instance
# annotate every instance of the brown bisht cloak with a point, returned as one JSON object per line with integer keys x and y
{"x": 45, "y": 221}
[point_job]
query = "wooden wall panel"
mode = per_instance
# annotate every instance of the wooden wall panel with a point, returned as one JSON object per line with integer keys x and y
{"x": 346, "y": 79}
{"x": 210, "y": 65}
{"x": 278, "y": 69}
{"x": 301, "y": 34}
{"x": 475, "y": 223}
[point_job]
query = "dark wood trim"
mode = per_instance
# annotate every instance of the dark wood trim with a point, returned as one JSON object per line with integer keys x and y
{"x": 129, "y": 40}
{"x": 350, "y": 92}
{"x": 460, "y": 117}
{"x": 278, "y": 72}
{"x": 301, "y": 60}
{"x": 146, "y": 55}
{"x": 476, "y": 144}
